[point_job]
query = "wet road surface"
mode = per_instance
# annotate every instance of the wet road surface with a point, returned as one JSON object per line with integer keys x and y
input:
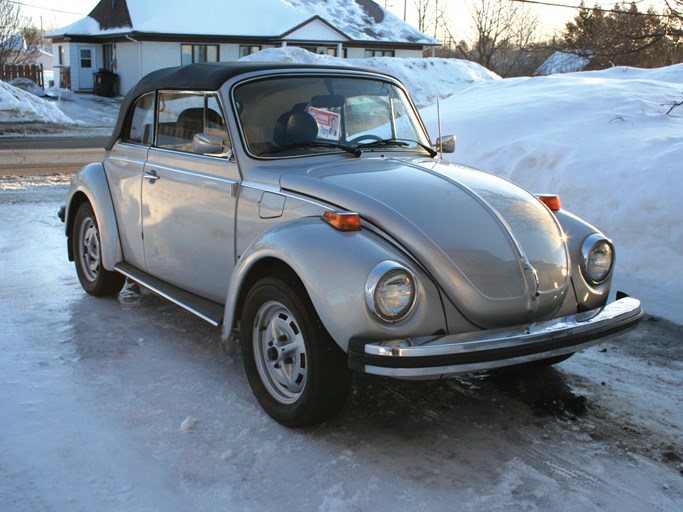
{"x": 130, "y": 404}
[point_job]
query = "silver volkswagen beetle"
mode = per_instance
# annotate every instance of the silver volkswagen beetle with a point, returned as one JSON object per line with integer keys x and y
{"x": 305, "y": 212}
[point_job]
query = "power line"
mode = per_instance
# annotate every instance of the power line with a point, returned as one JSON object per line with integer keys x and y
{"x": 596, "y": 9}
{"x": 45, "y": 8}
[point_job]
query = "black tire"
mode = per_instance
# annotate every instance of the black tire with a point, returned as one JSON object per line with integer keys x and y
{"x": 302, "y": 377}
{"x": 85, "y": 240}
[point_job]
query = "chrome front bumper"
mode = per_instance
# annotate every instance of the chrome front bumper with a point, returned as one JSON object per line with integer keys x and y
{"x": 436, "y": 356}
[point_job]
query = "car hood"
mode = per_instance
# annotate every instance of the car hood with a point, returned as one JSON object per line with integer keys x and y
{"x": 495, "y": 250}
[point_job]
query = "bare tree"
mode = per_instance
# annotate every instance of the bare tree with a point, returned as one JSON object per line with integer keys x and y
{"x": 430, "y": 16}
{"x": 675, "y": 8}
{"x": 504, "y": 33}
{"x": 12, "y": 28}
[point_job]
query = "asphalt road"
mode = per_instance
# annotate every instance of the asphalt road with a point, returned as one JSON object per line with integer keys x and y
{"x": 32, "y": 156}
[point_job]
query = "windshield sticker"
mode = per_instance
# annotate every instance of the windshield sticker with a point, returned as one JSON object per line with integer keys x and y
{"x": 328, "y": 123}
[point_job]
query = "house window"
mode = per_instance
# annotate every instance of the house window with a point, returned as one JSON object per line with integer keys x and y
{"x": 248, "y": 50}
{"x": 191, "y": 53}
{"x": 60, "y": 55}
{"x": 108, "y": 56}
{"x": 379, "y": 53}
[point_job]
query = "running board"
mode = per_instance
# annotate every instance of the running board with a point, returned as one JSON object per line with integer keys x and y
{"x": 205, "y": 309}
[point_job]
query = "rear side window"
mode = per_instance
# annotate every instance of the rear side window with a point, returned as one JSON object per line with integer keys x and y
{"x": 184, "y": 114}
{"x": 142, "y": 123}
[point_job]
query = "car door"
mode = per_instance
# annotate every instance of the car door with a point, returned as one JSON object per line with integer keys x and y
{"x": 189, "y": 199}
{"x": 124, "y": 166}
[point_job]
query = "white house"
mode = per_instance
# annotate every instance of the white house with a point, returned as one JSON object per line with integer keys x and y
{"x": 135, "y": 37}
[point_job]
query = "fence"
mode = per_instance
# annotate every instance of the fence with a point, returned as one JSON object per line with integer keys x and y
{"x": 32, "y": 72}
{"x": 65, "y": 77}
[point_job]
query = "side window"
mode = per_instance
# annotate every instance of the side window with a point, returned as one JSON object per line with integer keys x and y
{"x": 184, "y": 114}
{"x": 142, "y": 123}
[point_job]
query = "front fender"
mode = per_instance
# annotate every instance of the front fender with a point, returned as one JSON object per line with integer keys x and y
{"x": 90, "y": 183}
{"x": 588, "y": 296}
{"x": 333, "y": 267}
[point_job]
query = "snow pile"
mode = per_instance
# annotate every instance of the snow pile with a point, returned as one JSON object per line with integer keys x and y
{"x": 563, "y": 62}
{"x": 19, "y": 106}
{"x": 604, "y": 142}
{"x": 426, "y": 79}
{"x": 25, "y": 84}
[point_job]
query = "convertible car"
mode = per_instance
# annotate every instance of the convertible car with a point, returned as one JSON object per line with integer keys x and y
{"x": 304, "y": 211}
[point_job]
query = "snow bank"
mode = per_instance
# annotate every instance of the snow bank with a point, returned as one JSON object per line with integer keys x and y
{"x": 562, "y": 62}
{"x": 426, "y": 79}
{"x": 19, "y": 106}
{"x": 604, "y": 142}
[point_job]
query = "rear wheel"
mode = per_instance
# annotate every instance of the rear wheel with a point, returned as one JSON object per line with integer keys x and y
{"x": 85, "y": 239}
{"x": 297, "y": 372}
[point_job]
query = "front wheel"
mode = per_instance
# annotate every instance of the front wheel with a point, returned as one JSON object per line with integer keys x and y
{"x": 85, "y": 237}
{"x": 297, "y": 372}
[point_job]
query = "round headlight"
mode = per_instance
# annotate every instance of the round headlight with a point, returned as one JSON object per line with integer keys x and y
{"x": 390, "y": 291}
{"x": 597, "y": 258}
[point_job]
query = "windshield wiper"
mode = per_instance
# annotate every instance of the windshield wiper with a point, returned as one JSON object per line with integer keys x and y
{"x": 397, "y": 142}
{"x": 313, "y": 144}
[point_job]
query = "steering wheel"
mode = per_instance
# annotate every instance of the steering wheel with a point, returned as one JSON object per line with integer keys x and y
{"x": 368, "y": 136}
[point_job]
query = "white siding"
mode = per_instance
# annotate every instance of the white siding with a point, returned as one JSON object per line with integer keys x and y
{"x": 55, "y": 62}
{"x": 71, "y": 56}
{"x": 315, "y": 31}
{"x": 159, "y": 55}
{"x": 127, "y": 66}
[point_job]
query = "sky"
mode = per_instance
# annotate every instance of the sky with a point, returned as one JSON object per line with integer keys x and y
{"x": 57, "y": 14}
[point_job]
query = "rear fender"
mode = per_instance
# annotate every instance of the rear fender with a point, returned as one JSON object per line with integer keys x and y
{"x": 333, "y": 267}
{"x": 90, "y": 184}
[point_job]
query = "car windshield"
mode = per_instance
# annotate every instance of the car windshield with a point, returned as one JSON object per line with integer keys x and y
{"x": 306, "y": 115}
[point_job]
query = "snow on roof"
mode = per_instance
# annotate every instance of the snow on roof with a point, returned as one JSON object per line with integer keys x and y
{"x": 14, "y": 42}
{"x": 360, "y": 20}
{"x": 427, "y": 79}
{"x": 563, "y": 62}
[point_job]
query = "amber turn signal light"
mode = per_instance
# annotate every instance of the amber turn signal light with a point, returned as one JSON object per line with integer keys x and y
{"x": 345, "y": 221}
{"x": 552, "y": 201}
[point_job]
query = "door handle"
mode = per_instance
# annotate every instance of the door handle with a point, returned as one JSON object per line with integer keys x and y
{"x": 150, "y": 175}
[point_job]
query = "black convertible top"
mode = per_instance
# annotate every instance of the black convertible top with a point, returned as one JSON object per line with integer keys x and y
{"x": 200, "y": 77}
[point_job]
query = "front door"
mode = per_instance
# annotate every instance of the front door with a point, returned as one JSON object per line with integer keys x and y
{"x": 188, "y": 199}
{"x": 86, "y": 67}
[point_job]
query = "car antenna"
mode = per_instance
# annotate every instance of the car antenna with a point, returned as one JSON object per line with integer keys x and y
{"x": 439, "y": 145}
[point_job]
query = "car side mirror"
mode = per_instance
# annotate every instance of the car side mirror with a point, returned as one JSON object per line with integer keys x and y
{"x": 208, "y": 144}
{"x": 445, "y": 144}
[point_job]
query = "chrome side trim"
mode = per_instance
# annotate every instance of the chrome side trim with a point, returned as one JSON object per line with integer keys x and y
{"x": 186, "y": 172}
{"x": 458, "y": 353}
{"x": 205, "y": 309}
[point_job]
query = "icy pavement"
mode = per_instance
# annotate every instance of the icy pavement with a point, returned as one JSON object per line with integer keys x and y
{"x": 129, "y": 404}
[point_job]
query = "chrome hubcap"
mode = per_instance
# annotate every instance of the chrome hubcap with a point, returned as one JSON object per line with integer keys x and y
{"x": 89, "y": 249}
{"x": 280, "y": 352}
